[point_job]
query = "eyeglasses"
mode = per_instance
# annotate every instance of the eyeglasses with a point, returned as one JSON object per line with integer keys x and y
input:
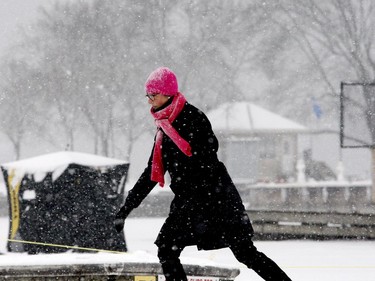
{"x": 151, "y": 96}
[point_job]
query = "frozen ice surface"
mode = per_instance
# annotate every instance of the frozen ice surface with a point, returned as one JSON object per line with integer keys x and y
{"x": 302, "y": 260}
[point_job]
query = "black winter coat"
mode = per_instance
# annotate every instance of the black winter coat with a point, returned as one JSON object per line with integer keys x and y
{"x": 207, "y": 210}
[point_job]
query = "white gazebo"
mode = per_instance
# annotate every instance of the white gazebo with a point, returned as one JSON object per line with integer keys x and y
{"x": 256, "y": 145}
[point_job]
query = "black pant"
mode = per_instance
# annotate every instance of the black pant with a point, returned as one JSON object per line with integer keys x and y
{"x": 170, "y": 263}
{"x": 245, "y": 252}
{"x": 266, "y": 268}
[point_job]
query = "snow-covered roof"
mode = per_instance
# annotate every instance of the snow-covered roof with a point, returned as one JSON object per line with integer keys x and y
{"x": 57, "y": 162}
{"x": 50, "y": 162}
{"x": 248, "y": 118}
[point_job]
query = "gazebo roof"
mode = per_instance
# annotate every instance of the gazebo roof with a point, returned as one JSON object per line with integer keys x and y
{"x": 246, "y": 118}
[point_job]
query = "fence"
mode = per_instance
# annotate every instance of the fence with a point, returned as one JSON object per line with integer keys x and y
{"x": 344, "y": 197}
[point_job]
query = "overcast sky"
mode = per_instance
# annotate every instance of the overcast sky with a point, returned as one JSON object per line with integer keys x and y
{"x": 14, "y": 13}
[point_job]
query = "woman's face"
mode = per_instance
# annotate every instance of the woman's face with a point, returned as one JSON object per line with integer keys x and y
{"x": 157, "y": 100}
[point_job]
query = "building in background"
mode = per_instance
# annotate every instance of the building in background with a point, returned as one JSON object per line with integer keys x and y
{"x": 256, "y": 145}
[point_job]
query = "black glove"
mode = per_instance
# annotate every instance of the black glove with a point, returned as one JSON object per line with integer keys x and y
{"x": 120, "y": 218}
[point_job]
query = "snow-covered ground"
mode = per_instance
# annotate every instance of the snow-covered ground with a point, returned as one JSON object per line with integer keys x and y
{"x": 302, "y": 260}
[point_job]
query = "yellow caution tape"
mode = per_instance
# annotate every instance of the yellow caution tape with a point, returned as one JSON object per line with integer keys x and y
{"x": 15, "y": 209}
{"x": 65, "y": 246}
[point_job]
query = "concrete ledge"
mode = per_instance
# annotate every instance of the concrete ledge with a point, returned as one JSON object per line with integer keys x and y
{"x": 136, "y": 271}
{"x": 312, "y": 225}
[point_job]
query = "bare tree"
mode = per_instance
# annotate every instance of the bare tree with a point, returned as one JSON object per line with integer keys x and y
{"x": 17, "y": 104}
{"x": 208, "y": 43}
{"x": 83, "y": 49}
{"x": 338, "y": 38}
{"x": 93, "y": 58}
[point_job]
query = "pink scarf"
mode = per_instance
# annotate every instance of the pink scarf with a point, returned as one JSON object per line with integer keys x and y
{"x": 163, "y": 120}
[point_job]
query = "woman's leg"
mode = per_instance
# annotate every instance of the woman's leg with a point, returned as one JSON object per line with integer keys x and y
{"x": 247, "y": 253}
{"x": 170, "y": 262}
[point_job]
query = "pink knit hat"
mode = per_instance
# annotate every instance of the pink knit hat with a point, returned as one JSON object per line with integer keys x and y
{"x": 162, "y": 81}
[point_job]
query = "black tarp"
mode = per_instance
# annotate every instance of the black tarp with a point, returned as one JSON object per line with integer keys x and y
{"x": 75, "y": 209}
